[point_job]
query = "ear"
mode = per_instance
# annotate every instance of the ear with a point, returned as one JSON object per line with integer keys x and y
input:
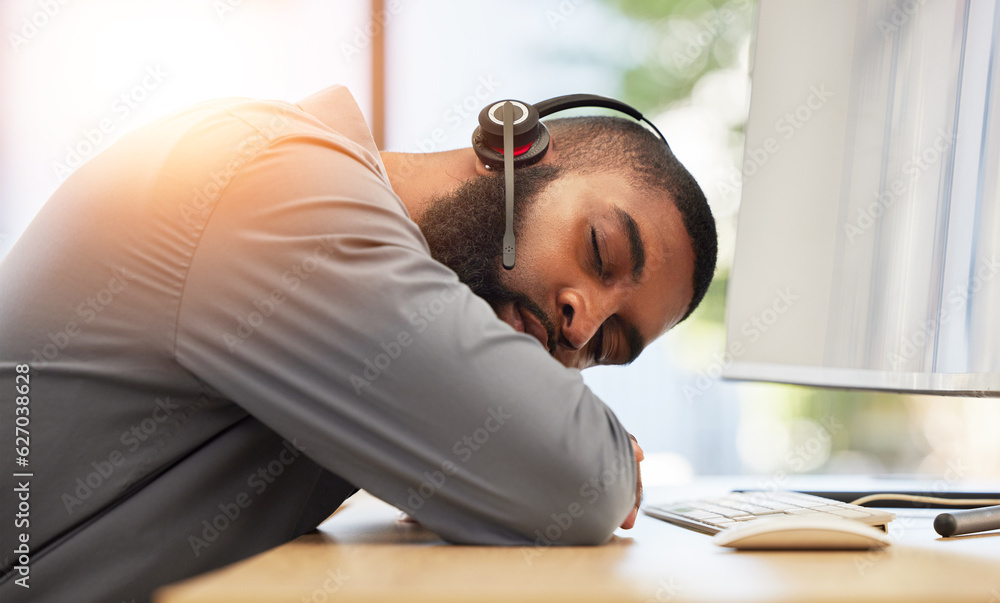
{"x": 551, "y": 155}
{"x": 552, "y": 152}
{"x": 480, "y": 166}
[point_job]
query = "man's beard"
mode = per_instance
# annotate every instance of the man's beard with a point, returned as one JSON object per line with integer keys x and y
{"x": 464, "y": 231}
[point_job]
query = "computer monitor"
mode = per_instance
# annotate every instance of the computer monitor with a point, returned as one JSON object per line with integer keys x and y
{"x": 868, "y": 243}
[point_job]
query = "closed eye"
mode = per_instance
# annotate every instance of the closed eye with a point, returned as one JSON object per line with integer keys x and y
{"x": 598, "y": 262}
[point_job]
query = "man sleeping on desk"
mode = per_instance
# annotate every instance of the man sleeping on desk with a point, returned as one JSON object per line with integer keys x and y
{"x": 236, "y": 316}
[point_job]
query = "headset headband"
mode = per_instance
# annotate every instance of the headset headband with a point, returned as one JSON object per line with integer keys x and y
{"x": 510, "y": 135}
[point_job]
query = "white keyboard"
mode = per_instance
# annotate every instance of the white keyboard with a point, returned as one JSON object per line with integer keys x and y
{"x": 712, "y": 515}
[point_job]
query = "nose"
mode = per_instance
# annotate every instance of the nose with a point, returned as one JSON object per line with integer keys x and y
{"x": 582, "y": 316}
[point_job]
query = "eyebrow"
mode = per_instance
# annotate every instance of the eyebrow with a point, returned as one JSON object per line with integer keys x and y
{"x": 636, "y": 248}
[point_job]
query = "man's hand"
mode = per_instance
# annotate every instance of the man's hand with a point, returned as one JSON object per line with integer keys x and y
{"x": 630, "y": 520}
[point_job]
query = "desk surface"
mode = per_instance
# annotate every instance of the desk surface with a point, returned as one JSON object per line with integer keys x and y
{"x": 363, "y": 554}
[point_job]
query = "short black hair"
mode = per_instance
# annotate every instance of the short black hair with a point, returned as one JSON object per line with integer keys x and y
{"x": 613, "y": 144}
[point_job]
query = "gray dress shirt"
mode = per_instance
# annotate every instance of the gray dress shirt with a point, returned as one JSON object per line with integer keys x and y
{"x": 229, "y": 323}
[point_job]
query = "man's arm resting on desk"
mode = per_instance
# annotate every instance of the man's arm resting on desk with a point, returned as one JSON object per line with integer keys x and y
{"x": 384, "y": 369}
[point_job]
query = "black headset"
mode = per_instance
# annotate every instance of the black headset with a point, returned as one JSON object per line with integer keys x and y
{"x": 511, "y": 136}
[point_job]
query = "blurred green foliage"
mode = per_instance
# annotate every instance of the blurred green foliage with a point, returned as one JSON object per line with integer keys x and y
{"x": 682, "y": 40}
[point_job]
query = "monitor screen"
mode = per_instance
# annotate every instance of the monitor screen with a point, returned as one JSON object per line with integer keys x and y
{"x": 868, "y": 245}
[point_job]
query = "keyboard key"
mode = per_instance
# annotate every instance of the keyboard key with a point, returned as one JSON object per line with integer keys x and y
{"x": 721, "y": 510}
{"x": 850, "y": 513}
{"x": 828, "y": 508}
{"x": 704, "y": 516}
{"x": 722, "y": 523}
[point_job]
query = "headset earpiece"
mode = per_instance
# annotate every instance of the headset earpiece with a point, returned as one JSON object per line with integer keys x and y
{"x": 531, "y": 137}
{"x": 525, "y": 124}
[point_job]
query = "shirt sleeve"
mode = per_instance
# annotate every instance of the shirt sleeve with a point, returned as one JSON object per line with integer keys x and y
{"x": 312, "y": 302}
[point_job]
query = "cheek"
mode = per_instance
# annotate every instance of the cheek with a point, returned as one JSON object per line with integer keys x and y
{"x": 528, "y": 277}
{"x": 547, "y": 251}
{"x": 546, "y": 230}
{"x": 546, "y": 259}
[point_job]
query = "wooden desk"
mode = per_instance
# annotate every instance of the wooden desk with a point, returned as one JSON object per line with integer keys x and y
{"x": 363, "y": 554}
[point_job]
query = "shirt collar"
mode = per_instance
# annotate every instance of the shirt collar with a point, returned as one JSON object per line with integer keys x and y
{"x": 336, "y": 108}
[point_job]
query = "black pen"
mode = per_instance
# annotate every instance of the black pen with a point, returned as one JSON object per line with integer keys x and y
{"x": 968, "y": 521}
